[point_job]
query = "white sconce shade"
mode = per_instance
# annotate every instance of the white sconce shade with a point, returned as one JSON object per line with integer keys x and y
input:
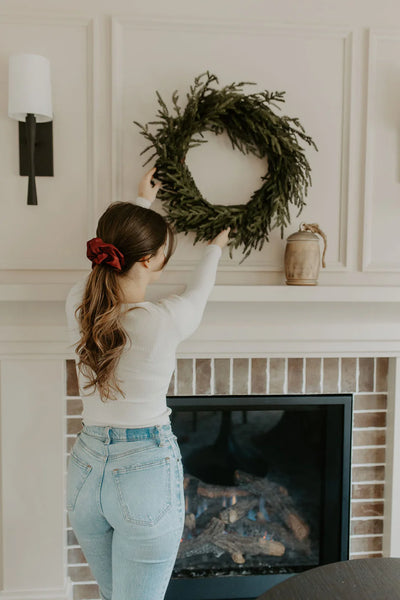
{"x": 29, "y": 87}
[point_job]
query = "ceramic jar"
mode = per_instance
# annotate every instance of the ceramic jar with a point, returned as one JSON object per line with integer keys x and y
{"x": 302, "y": 255}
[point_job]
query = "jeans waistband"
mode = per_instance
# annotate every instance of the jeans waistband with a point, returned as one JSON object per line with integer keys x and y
{"x": 110, "y": 434}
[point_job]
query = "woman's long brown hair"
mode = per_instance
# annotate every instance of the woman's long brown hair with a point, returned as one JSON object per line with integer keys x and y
{"x": 136, "y": 232}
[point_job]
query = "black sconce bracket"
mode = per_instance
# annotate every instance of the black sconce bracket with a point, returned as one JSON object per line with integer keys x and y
{"x": 43, "y": 150}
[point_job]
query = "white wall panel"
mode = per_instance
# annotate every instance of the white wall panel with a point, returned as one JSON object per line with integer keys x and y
{"x": 32, "y": 467}
{"x": 313, "y": 66}
{"x": 51, "y": 235}
{"x": 382, "y": 179}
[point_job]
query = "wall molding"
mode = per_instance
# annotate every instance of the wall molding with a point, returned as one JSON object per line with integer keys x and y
{"x": 65, "y": 593}
{"x": 368, "y": 264}
{"x": 120, "y": 24}
{"x": 91, "y": 25}
{"x": 33, "y": 343}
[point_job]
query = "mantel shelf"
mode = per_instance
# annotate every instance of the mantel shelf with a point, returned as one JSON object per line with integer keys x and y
{"x": 50, "y": 292}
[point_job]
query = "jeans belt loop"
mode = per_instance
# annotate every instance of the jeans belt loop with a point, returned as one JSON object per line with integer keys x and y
{"x": 108, "y": 435}
{"x": 159, "y": 437}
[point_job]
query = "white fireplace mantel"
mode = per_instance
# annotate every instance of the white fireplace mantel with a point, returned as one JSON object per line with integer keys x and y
{"x": 239, "y": 320}
{"x": 52, "y": 292}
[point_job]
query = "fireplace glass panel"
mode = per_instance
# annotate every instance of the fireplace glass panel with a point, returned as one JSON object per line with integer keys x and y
{"x": 263, "y": 479}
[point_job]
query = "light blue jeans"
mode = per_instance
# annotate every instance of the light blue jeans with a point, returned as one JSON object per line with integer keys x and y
{"x": 125, "y": 503}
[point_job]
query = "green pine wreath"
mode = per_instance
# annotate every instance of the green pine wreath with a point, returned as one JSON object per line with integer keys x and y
{"x": 253, "y": 128}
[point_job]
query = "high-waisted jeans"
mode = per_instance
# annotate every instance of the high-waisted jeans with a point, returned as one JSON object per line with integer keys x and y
{"x": 125, "y": 503}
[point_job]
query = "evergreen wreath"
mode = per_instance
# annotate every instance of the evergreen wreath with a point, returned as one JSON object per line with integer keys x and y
{"x": 253, "y": 128}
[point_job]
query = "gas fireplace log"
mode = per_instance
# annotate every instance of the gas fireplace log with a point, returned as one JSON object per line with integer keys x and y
{"x": 277, "y": 499}
{"x": 238, "y": 510}
{"x": 300, "y": 529}
{"x": 285, "y": 535}
{"x": 189, "y": 548}
{"x": 208, "y": 490}
{"x": 203, "y": 542}
{"x": 190, "y": 521}
{"x": 237, "y": 546}
{"x": 218, "y": 491}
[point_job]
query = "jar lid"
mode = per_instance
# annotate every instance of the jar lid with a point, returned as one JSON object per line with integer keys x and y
{"x": 302, "y": 236}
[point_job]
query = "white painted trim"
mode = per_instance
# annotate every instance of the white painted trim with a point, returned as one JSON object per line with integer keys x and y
{"x": 65, "y": 593}
{"x": 245, "y": 26}
{"x": 48, "y": 350}
{"x": 57, "y": 292}
{"x": 368, "y": 265}
{"x": 93, "y": 119}
{"x": 35, "y": 393}
{"x": 215, "y": 24}
{"x": 347, "y": 105}
{"x": 93, "y": 62}
{"x": 116, "y": 112}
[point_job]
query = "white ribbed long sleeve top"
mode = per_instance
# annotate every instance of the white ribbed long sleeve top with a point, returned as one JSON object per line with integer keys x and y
{"x": 146, "y": 366}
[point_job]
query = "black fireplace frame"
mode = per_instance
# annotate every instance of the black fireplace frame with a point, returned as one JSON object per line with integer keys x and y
{"x": 336, "y": 505}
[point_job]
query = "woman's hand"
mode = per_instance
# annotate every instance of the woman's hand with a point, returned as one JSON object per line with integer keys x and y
{"x": 146, "y": 189}
{"x": 221, "y": 239}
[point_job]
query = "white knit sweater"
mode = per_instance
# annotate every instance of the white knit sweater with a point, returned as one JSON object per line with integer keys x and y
{"x": 146, "y": 366}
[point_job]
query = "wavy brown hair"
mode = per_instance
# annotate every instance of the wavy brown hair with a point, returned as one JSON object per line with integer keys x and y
{"x": 137, "y": 232}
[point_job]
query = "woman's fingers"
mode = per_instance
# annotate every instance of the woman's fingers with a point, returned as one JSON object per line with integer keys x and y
{"x": 150, "y": 173}
{"x": 149, "y": 176}
{"x": 222, "y": 238}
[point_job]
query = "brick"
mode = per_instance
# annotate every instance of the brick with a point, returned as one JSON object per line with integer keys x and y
{"x": 313, "y": 375}
{"x": 372, "y": 544}
{"x": 74, "y": 426}
{"x": 295, "y": 375}
{"x": 86, "y": 592}
{"x": 258, "y": 376}
{"x": 72, "y": 379}
{"x": 367, "y": 491}
{"x": 348, "y": 377}
{"x": 366, "y": 375}
{"x": 75, "y": 555}
{"x": 203, "y": 376}
{"x": 369, "y": 438}
{"x": 71, "y": 538}
{"x": 331, "y": 375}
{"x": 364, "y": 527}
{"x": 276, "y": 375}
{"x": 367, "y": 509}
{"x": 221, "y": 375}
{"x": 74, "y": 407}
{"x": 382, "y": 365}
{"x": 368, "y": 455}
{"x": 240, "y": 375}
{"x": 171, "y": 386}
{"x": 370, "y": 401}
{"x": 369, "y": 555}
{"x": 185, "y": 376}
{"x": 370, "y": 419}
{"x": 82, "y": 573}
{"x": 374, "y": 473}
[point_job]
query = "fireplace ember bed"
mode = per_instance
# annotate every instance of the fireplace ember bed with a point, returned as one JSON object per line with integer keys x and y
{"x": 267, "y": 490}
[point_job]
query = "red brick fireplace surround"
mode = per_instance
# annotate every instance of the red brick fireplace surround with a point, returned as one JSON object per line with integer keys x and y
{"x": 366, "y": 378}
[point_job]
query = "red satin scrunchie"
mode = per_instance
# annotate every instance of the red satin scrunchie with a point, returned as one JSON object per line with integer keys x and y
{"x": 99, "y": 251}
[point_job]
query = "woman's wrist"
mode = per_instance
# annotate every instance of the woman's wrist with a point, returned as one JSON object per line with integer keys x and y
{"x": 143, "y": 202}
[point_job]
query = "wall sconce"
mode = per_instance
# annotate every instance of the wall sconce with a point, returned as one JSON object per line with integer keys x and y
{"x": 29, "y": 102}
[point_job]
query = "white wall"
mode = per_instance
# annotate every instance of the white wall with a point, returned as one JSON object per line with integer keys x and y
{"x": 338, "y": 62}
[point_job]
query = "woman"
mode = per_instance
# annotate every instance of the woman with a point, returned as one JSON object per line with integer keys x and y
{"x": 125, "y": 479}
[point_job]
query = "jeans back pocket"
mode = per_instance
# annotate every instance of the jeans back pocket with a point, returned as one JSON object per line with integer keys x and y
{"x": 144, "y": 491}
{"x": 77, "y": 474}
